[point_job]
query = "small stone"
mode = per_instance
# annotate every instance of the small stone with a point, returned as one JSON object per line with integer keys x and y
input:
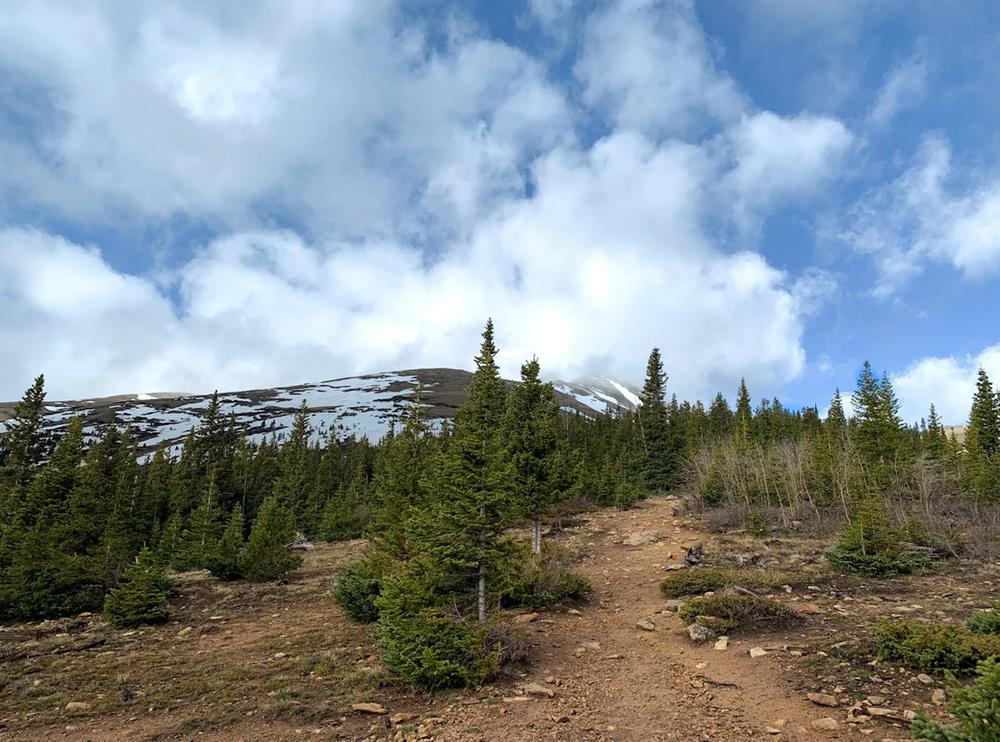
{"x": 539, "y": 691}
{"x": 939, "y": 697}
{"x": 909, "y": 714}
{"x": 810, "y": 608}
{"x": 756, "y": 652}
{"x": 673, "y": 605}
{"x": 77, "y": 706}
{"x": 368, "y": 708}
{"x": 574, "y": 612}
{"x": 925, "y": 679}
{"x": 402, "y": 717}
{"x": 826, "y": 724}
{"x": 516, "y": 699}
{"x": 185, "y": 631}
{"x": 722, "y": 643}
{"x": 699, "y": 633}
{"x": 674, "y": 567}
{"x": 646, "y": 625}
{"x": 215, "y": 618}
{"x": 880, "y": 711}
{"x": 526, "y": 618}
{"x": 641, "y": 538}
{"x": 875, "y": 700}
{"x": 823, "y": 699}
{"x": 279, "y": 655}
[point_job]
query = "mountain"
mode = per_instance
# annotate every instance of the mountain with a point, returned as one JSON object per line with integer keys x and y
{"x": 362, "y": 406}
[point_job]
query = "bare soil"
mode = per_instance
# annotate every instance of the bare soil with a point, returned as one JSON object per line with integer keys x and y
{"x": 242, "y": 661}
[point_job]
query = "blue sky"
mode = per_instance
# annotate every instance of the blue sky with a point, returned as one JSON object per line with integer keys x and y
{"x": 194, "y": 197}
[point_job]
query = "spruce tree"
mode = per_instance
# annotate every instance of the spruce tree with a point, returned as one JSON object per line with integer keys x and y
{"x": 143, "y": 595}
{"x": 23, "y": 444}
{"x": 660, "y": 444}
{"x": 265, "y": 555}
{"x": 720, "y": 417}
{"x": 224, "y": 559}
{"x": 469, "y": 499}
{"x": 532, "y": 446}
{"x": 743, "y": 417}
{"x": 935, "y": 441}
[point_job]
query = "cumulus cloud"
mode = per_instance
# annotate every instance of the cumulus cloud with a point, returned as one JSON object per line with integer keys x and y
{"x": 916, "y": 219}
{"x": 424, "y": 185}
{"x": 948, "y": 382}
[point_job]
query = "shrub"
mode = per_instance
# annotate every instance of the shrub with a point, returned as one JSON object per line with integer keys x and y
{"x": 976, "y": 707}
{"x": 871, "y": 546}
{"x": 266, "y": 556}
{"x": 425, "y": 644}
{"x": 756, "y": 525}
{"x": 357, "y": 588}
{"x": 687, "y": 582}
{"x": 985, "y": 622}
{"x": 735, "y": 612}
{"x": 141, "y": 596}
{"x": 934, "y": 647}
{"x": 543, "y": 580}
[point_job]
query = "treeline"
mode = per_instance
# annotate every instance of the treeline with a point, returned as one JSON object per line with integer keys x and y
{"x": 76, "y": 511}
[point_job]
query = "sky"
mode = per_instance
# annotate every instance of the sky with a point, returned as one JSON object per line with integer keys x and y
{"x": 208, "y": 195}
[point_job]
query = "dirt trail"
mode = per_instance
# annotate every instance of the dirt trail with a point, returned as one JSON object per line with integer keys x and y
{"x": 614, "y": 681}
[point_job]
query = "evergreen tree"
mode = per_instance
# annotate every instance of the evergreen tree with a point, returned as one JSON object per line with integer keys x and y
{"x": 265, "y": 555}
{"x": 660, "y": 444}
{"x": 720, "y": 417}
{"x": 743, "y": 417}
{"x": 530, "y": 436}
{"x": 23, "y": 444}
{"x": 143, "y": 595}
{"x": 469, "y": 499}
{"x": 224, "y": 559}
{"x": 935, "y": 441}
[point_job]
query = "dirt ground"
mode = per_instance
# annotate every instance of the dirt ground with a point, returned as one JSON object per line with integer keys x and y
{"x": 266, "y": 662}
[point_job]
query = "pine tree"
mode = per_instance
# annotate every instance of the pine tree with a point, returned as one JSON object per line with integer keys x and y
{"x": 203, "y": 530}
{"x": 720, "y": 417}
{"x": 876, "y": 415}
{"x": 143, "y": 595}
{"x": 835, "y": 424}
{"x": 981, "y": 471}
{"x": 532, "y": 446}
{"x": 660, "y": 444}
{"x": 469, "y": 499}
{"x": 743, "y": 417}
{"x": 935, "y": 441}
{"x": 292, "y": 487}
{"x": 265, "y": 555}
{"x": 23, "y": 444}
{"x": 224, "y": 559}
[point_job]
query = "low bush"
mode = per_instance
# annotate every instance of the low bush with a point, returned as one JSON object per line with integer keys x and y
{"x": 934, "y": 647}
{"x": 357, "y": 588}
{"x": 871, "y": 546}
{"x": 730, "y": 611}
{"x": 976, "y": 706}
{"x": 985, "y": 622}
{"x": 682, "y": 583}
{"x": 543, "y": 580}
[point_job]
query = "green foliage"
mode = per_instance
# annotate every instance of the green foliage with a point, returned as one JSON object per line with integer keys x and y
{"x": 756, "y": 525}
{"x": 224, "y": 559}
{"x": 265, "y": 556}
{"x": 976, "y": 706}
{"x": 545, "y": 579}
{"x": 660, "y": 441}
{"x": 426, "y": 642}
{"x": 985, "y": 622}
{"x": 685, "y": 582}
{"x": 357, "y": 588}
{"x": 871, "y": 546}
{"x": 934, "y": 647}
{"x": 730, "y": 611}
{"x": 142, "y": 596}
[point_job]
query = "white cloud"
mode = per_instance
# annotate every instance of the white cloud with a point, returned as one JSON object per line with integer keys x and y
{"x": 915, "y": 219}
{"x": 346, "y": 121}
{"x": 905, "y": 86}
{"x": 647, "y": 65}
{"x": 947, "y": 382}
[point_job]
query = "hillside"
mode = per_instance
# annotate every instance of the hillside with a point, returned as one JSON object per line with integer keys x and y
{"x": 360, "y": 406}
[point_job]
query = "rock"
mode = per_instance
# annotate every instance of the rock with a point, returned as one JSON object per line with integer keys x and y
{"x": 77, "y": 706}
{"x": 857, "y": 715}
{"x": 641, "y": 538}
{"x": 810, "y": 609}
{"x": 673, "y": 605}
{"x": 402, "y": 717}
{"x": 526, "y": 618}
{"x": 699, "y": 633}
{"x": 674, "y": 567}
{"x": 215, "y": 618}
{"x": 539, "y": 691}
{"x": 939, "y": 697}
{"x": 694, "y": 555}
{"x": 722, "y": 643}
{"x": 368, "y": 708}
{"x": 515, "y": 699}
{"x": 909, "y": 714}
{"x": 880, "y": 711}
{"x": 823, "y": 699}
{"x": 925, "y": 679}
{"x": 826, "y": 724}
{"x": 185, "y": 631}
{"x": 279, "y": 655}
{"x": 646, "y": 625}
{"x": 756, "y": 652}
{"x": 875, "y": 700}
{"x": 574, "y": 612}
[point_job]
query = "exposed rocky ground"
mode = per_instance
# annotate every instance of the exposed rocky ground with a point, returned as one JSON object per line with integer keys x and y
{"x": 279, "y": 661}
